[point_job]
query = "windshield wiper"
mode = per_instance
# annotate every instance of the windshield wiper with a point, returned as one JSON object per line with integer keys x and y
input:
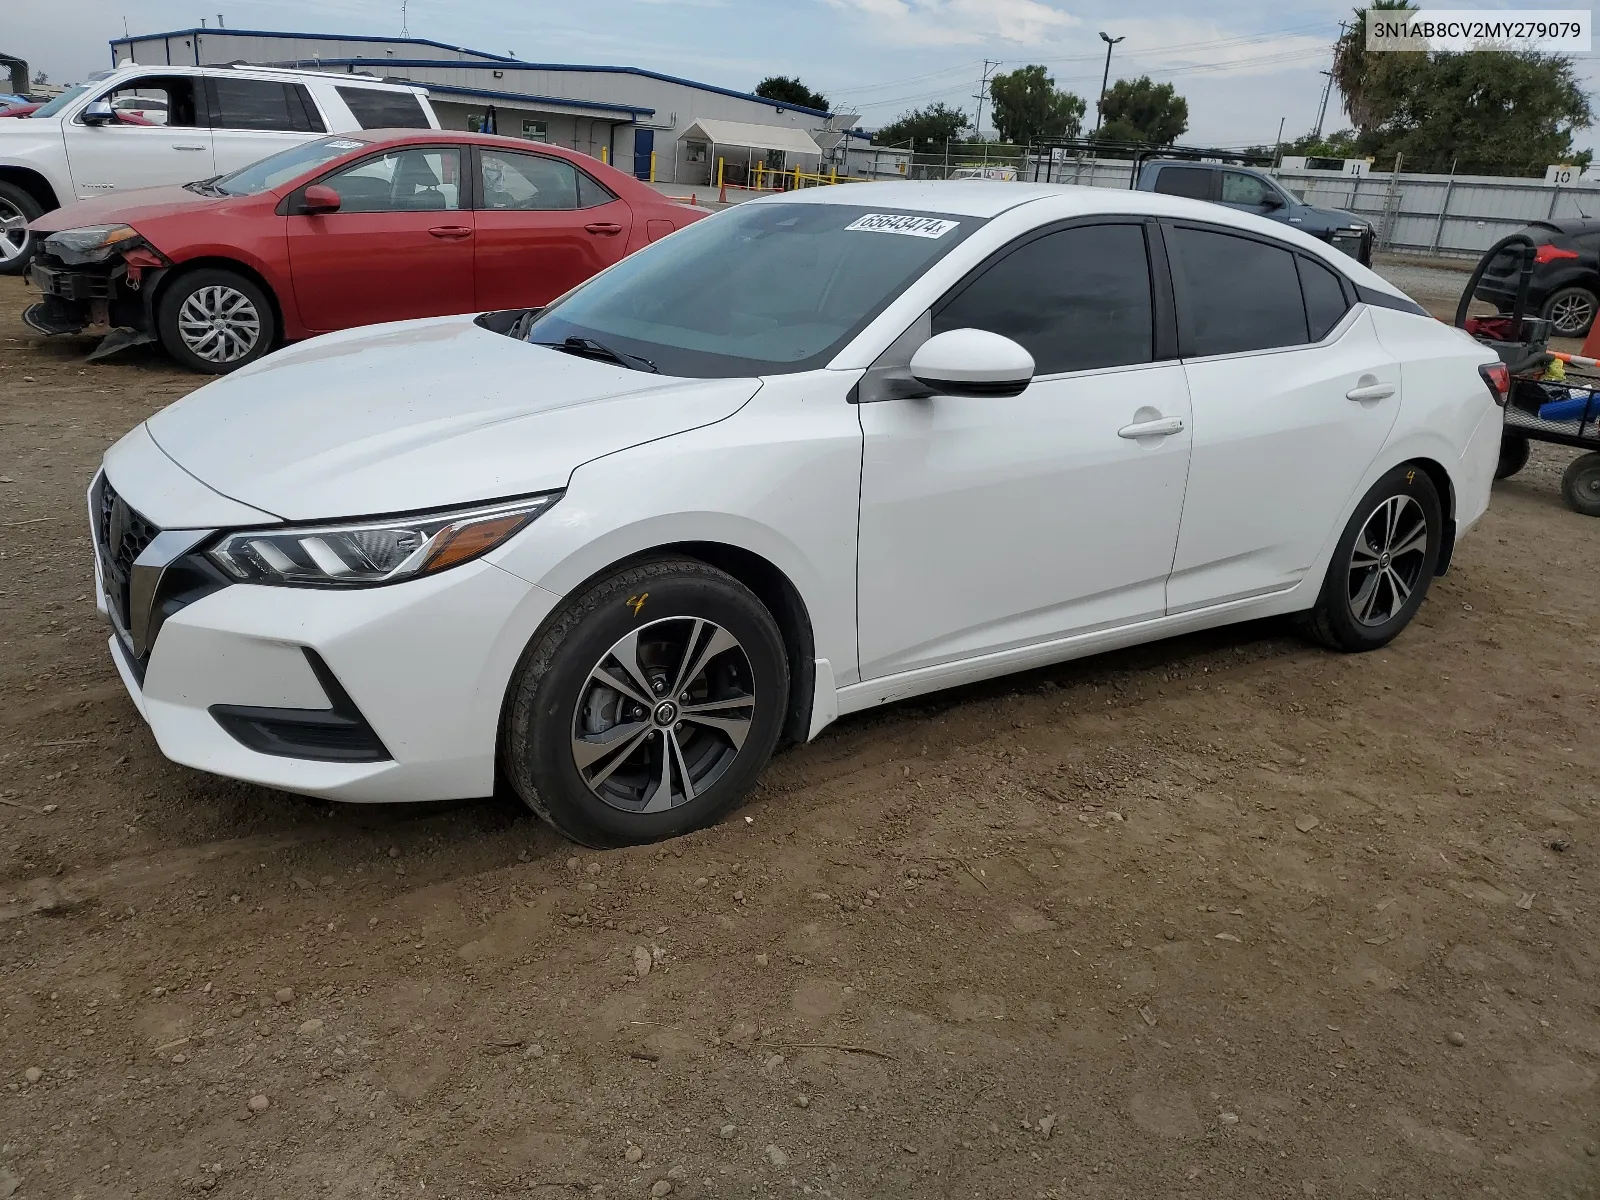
{"x": 588, "y": 347}
{"x": 206, "y": 186}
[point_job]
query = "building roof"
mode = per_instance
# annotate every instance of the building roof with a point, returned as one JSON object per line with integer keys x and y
{"x": 632, "y": 110}
{"x": 498, "y": 61}
{"x": 755, "y": 137}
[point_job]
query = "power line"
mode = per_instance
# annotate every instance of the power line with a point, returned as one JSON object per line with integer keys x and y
{"x": 983, "y": 91}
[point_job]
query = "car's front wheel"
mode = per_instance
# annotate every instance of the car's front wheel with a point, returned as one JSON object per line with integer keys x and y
{"x": 1570, "y": 311}
{"x": 1382, "y": 565}
{"x": 214, "y": 321}
{"x": 17, "y": 243}
{"x": 647, "y": 705}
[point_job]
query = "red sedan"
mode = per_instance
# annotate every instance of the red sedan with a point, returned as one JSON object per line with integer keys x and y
{"x": 347, "y": 230}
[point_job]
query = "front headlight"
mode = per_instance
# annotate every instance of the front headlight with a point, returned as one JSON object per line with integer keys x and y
{"x": 91, "y": 244}
{"x": 368, "y": 553}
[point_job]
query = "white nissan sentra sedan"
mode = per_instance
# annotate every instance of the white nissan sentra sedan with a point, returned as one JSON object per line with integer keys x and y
{"x": 821, "y": 452}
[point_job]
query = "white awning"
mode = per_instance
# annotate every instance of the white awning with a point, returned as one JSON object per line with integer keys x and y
{"x": 755, "y": 137}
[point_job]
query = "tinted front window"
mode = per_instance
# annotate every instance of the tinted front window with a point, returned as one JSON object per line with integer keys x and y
{"x": 1077, "y": 299}
{"x": 279, "y": 169}
{"x": 376, "y": 108}
{"x": 1239, "y": 188}
{"x": 764, "y": 288}
{"x": 1194, "y": 182}
{"x": 1325, "y": 299}
{"x": 405, "y": 181}
{"x": 1233, "y": 293}
{"x": 157, "y": 100}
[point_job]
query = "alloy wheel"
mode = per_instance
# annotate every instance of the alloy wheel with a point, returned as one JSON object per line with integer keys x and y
{"x": 1387, "y": 559}
{"x": 14, "y": 235}
{"x": 663, "y": 714}
{"x": 1571, "y": 313}
{"x": 219, "y": 324}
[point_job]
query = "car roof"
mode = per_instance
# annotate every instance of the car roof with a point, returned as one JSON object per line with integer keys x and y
{"x": 435, "y": 136}
{"x": 987, "y": 198}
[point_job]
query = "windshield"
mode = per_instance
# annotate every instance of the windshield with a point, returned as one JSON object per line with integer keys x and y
{"x": 761, "y": 289}
{"x": 279, "y": 169}
{"x": 61, "y": 101}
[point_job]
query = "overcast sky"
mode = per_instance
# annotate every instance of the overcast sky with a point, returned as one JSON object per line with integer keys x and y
{"x": 1242, "y": 66}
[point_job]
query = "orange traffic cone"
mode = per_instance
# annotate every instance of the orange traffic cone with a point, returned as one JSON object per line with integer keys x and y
{"x": 1591, "y": 344}
{"x": 722, "y": 197}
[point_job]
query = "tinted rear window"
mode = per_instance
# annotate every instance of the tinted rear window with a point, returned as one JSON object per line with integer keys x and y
{"x": 375, "y": 108}
{"x": 1194, "y": 182}
{"x": 262, "y": 104}
{"x": 1233, "y": 293}
{"x": 1325, "y": 298}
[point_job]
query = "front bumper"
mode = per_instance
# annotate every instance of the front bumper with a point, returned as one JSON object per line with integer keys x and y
{"x": 422, "y": 667}
{"x": 76, "y": 298}
{"x": 1356, "y": 243}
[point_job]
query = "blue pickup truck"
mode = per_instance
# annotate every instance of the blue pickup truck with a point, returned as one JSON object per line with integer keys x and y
{"x": 1252, "y": 191}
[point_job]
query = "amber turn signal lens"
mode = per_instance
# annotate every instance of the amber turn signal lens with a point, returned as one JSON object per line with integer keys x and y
{"x": 459, "y": 544}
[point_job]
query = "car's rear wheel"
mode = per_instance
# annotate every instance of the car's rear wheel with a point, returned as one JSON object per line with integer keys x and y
{"x": 1382, "y": 565}
{"x": 647, "y": 705}
{"x": 17, "y": 242}
{"x": 1513, "y": 455}
{"x": 1580, "y": 484}
{"x": 1570, "y": 311}
{"x": 215, "y": 321}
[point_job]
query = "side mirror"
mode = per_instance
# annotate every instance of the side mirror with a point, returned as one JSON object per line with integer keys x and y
{"x": 1272, "y": 201}
{"x": 100, "y": 112}
{"x": 319, "y": 198}
{"x": 972, "y": 362}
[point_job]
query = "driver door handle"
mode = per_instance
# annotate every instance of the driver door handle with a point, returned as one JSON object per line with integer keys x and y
{"x": 184, "y": 146}
{"x": 452, "y": 232}
{"x": 1165, "y": 427}
{"x": 1370, "y": 391}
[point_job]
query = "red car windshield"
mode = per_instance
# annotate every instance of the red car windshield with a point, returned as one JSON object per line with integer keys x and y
{"x": 279, "y": 169}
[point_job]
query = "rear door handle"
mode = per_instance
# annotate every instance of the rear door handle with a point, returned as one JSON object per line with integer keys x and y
{"x": 451, "y": 232}
{"x": 1370, "y": 391}
{"x": 182, "y": 146}
{"x": 1165, "y": 427}
{"x": 604, "y": 227}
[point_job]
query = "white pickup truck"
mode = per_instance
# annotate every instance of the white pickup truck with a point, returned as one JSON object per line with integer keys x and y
{"x": 144, "y": 126}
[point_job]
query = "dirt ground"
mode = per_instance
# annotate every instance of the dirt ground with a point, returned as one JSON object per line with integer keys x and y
{"x": 1223, "y": 916}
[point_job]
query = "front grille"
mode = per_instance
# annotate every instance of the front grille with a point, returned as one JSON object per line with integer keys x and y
{"x": 120, "y": 535}
{"x": 54, "y": 278}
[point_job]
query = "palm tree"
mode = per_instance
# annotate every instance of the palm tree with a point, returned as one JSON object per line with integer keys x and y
{"x": 1354, "y": 70}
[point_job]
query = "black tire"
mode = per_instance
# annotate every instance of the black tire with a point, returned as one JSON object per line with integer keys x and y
{"x": 1513, "y": 455}
{"x": 1580, "y": 484}
{"x": 657, "y": 602}
{"x": 14, "y": 203}
{"x": 1571, "y": 310}
{"x": 1347, "y": 616}
{"x": 251, "y": 313}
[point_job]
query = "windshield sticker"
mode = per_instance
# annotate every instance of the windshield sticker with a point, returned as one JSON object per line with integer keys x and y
{"x": 343, "y": 144}
{"x": 923, "y": 227}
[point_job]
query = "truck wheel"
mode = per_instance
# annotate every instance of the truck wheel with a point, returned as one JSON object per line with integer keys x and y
{"x": 215, "y": 321}
{"x": 1580, "y": 484}
{"x": 17, "y": 244}
{"x": 1513, "y": 455}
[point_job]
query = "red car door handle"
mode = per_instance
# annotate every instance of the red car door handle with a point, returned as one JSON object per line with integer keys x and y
{"x": 450, "y": 231}
{"x": 604, "y": 227}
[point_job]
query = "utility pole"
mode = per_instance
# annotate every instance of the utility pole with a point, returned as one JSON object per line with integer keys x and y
{"x": 981, "y": 94}
{"x": 1277, "y": 152}
{"x": 1327, "y": 88}
{"x": 404, "y": 30}
{"x": 1100, "y": 108}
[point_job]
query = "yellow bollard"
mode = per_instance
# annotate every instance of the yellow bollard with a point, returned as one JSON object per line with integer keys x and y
{"x": 652, "y": 166}
{"x": 605, "y": 155}
{"x": 719, "y": 172}
{"x": 833, "y": 175}
{"x": 797, "y": 177}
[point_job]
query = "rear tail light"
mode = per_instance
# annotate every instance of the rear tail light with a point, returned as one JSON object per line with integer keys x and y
{"x": 1549, "y": 252}
{"x": 1497, "y": 378}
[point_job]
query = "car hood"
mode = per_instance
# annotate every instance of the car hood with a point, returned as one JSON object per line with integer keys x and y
{"x": 421, "y": 414}
{"x": 123, "y": 208}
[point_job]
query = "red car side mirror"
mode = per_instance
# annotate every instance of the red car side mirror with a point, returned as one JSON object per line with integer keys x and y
{"x": 319, "y": 198}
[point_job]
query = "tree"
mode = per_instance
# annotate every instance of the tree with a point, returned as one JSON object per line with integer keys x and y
{"x": 936, "y": 124}
{"x": 40, "y": 79}
{"x": 1488, "y": 110}
{"x": 1028, "y": 106}
{"x": 1139, "y": 110}
{"x": 791, "y": 91}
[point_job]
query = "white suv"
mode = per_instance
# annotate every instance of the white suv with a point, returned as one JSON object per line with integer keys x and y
{"x": 142, "y": 126}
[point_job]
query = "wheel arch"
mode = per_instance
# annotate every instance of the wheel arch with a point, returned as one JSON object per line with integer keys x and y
{"x": 34, "y": 183}
{"x": 1445, "y": 486}
{"x": 221, "y": 263}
